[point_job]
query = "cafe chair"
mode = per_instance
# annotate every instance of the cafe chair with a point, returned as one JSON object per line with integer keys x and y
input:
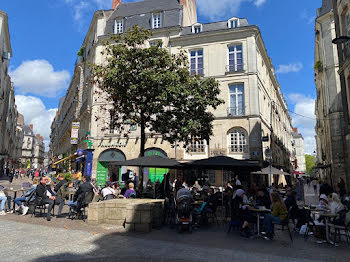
{"x": 340, "y": 228}
{"x": 211, "y": 214}
{"x": 80, "y": 211}
{"x": 284, "y": 225}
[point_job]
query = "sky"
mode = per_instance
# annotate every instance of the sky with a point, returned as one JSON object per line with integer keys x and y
{"x": 47, "y": 34}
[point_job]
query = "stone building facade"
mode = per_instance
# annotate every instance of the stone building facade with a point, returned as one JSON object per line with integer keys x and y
{"x": 254, "y": 117}
{"x": 9, "y": 133}
{"x": 298, "y": 153}
{"x": 329, "y": 108}
{"x": 33, "y": 148}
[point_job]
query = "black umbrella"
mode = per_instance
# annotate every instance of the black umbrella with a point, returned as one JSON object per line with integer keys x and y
{"x": 151, "y": 161}
{"x": 222, "y": 162}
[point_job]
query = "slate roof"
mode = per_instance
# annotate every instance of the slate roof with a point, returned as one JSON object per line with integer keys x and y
{"x": 214, "y": 26}
{"x": 327, "y": 6}
{"x": 140, "y": 13}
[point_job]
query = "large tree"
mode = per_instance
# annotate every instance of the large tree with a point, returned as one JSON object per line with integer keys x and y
{"x": 153, "y": 89}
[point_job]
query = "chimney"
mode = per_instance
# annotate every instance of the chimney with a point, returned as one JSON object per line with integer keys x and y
{"x": 295, "y": 130}
{"x": 116, "y": 3}
{"x": 31, "y": 127}
{"x": 38, "y": 136}
{"x": 189, "y": 12}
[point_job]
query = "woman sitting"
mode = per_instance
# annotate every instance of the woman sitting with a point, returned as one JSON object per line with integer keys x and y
{"x": 130, "y": 193}
{"x": 278, "y": 214}
{"x": 240, "y": 212}
{"x": 335, "y": 206}
{"x": 27, "y": 196}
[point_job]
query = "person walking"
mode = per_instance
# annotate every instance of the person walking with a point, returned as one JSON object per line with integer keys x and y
{"x": 11, "y": 174}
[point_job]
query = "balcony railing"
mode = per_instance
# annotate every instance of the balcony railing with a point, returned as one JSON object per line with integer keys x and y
{"x": 235, "y": 111}
{"x": 234, "y": 68}
{"x": 236, "y": 149}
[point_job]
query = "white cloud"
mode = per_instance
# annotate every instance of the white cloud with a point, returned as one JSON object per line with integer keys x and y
{"x": 306, "y": 16}
{"x": 39, "y": 77}
{"x": 259, "y": 3}
{"x": 35, "y": 112}
{"x": 216, "y": 10}
{"x": 304, "y": 119}
{"x": 293, "y": 67}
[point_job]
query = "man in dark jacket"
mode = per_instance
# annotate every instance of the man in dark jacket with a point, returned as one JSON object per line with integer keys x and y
{"x": 79, "y": 195}
{"x": 44, "y": 195}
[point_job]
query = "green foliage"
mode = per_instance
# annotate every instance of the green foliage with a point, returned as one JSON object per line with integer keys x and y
{"x": 155, "y": 90}
{"x": 81, "y": 51}
{"x": 67, "y": 176}
{"x": 318, "y": 65}
{"x": 310, "y": 162}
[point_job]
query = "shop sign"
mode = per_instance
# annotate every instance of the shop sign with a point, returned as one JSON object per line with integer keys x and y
{"x": 75, "y": 133}
{"x": 113, "y": 144}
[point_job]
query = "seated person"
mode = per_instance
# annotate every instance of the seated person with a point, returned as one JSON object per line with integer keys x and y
{"x": 130, "y": 192}
{"x": 241, "y": 212}
{"x": 263, "y": 199}
{"x": 3, "y": 199}
{"x": 59, "y": 185}
{"x": 291, "y": 203}
{"x": 183, "y": 193}
{"x": 335, "y": 206}
{"x": 197, "y": 186}
{"x": 212, "y": 201}
{"x": 323, "y": 202}
{"x": 20, "y": 200}
{"x": 108, "y": 192}
{"x": 279, "y": 213}
{"x": 44, "y": 195}
{"x": 79, "y": 196}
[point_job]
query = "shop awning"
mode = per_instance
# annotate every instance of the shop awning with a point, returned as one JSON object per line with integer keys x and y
{"x": 64, "y": 159}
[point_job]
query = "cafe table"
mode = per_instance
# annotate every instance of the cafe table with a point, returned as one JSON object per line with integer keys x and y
{"x": 328, "y": 217}
{"x": 259, "y": 212}
{"x": 14, "y": 191}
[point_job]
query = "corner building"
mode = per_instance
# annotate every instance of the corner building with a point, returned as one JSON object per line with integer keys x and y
{"x": 253, "y": 118}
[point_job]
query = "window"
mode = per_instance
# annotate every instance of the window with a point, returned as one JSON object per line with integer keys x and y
{"x": 238, "y": 141}
{"x": 197, "y": 146}
{"x": 197, "y": 62}
{"x": 236, "y": 100}
{"x": 197, "y": 28}
{"x": 118, "y": 26}
{"x": 157, "y": 43}
{"x": 235, "y": 58}
{"x": 156, "y": 20}
{"x": 233, "y": 23}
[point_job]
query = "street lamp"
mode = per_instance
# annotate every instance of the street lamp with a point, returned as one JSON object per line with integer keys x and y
{"x": 341, "y": 40}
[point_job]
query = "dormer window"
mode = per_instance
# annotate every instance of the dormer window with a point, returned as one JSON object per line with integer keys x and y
{"x": 196, "y": 28}
{"x": 119, "y": 26}
{"x": 233, "y": 23}
{"x": 156, "y": 20}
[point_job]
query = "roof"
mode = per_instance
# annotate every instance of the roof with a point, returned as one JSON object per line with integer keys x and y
{"x": 28, "y": 131}
{"x": 327, "y": 6}
{"x": 214, "y": 26}
{"x": 140, "y": 13}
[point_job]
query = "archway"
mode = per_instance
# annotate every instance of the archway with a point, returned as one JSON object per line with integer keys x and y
{"x": 108, "y": 167}
{"x": 154, "y": 173}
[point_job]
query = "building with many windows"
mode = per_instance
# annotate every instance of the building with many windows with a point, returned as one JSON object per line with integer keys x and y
{"x": 253, "y": 118}
{"x": 33, "y": 148}
{"x": 9, "y": 133}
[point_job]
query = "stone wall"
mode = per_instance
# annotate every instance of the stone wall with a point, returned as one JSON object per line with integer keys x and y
{"x": 138, "y": 215}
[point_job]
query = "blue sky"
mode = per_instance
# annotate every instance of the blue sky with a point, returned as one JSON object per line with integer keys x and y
{"x": 46, "y": 35}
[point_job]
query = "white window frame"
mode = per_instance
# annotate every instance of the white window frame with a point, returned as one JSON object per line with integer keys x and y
{"x": 238, "y": 141}
{"x": 119, "y": 26}
{"x": 235, "y": 67}
{"x": 197, "y": 28}
{"x": 196, "y": 57}
{"x": 197, "y": 146}
{"x": 157, "y": 20}
{"x": 236, "y": 111}
{"x": 233, "y": 23}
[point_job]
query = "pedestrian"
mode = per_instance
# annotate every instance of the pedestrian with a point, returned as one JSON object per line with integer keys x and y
{"x": 11, "y": 174}
{"x": 314, "y": 185}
